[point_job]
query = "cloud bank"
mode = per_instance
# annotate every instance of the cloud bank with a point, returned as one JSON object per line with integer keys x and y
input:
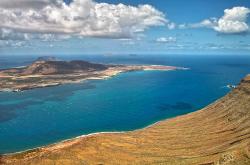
{"x": 166, "y": 39}
{"x": 80, "y": 18}
{"x": 234, "y": 21}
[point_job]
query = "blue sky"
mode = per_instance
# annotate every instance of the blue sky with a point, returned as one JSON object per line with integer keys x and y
{"x": 169, "y": 27}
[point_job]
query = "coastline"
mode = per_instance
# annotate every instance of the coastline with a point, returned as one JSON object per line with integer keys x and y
{"x": 81, "y": 137}
{"x": 216, "y": 134}
{"x": 101, "y": 75}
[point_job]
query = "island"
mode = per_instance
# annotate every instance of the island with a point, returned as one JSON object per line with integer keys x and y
{"x": 46, "y": 72}
{"x": 218, "y": 134}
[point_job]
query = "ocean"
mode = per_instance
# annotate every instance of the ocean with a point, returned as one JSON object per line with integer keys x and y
{"x": 125, "y": 102}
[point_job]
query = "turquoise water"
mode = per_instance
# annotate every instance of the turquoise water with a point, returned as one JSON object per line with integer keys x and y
{"x": 126, "y": 102}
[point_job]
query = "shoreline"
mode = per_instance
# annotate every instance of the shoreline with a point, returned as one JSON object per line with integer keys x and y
{"x": 100, "y": 77}
{"x": 62, "y": 141}
{"x": 103, "y": 75}
{"x": 211, "y": 135}
{"x": 73, "y": 140}
{"x": 80, "y": 137}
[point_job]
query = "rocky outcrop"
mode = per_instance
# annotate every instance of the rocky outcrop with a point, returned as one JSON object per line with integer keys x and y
{"x": 47, "y": 58}
{"x": 218, "y": 134}
{"x": 61, "y": 67}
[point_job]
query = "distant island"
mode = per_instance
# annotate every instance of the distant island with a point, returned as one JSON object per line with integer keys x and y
{"x": 48, "y": 71}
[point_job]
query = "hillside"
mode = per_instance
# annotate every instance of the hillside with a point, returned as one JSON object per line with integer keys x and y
{"x": 61, "y": 67}
{"x": 217, "y": 134}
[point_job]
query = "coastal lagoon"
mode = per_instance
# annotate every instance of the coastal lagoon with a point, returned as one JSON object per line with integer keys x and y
{"x": 125, "y": 102}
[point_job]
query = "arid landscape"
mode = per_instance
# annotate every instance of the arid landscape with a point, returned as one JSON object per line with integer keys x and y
{"x": 216, "y": 135}
{"x": 44, "y": 73}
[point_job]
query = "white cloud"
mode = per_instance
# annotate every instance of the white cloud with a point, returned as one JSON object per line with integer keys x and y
{"x": 171, "y": 26}
{"x": 8, "y": 34}
{"x": 50, "y": 37}
{"x": 209, "y": 23}
{"x": 182, "y": 26}
{"x": 166, "y": 39}
{"x": 80, "y": 18}
{"x": 26, "y": 4}
{"x": 11, "y": 43}
{"x": 234, "y": 21}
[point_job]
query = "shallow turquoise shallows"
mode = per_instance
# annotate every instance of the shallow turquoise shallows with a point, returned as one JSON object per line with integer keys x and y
{"x": 128, "y": 101}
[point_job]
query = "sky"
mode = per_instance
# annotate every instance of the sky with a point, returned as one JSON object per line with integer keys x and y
{"x": 113, "y": 27}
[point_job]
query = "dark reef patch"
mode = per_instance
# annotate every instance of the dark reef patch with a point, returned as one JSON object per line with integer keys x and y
{"x": 55, "y": 93}
{"x": 179, "y": 106}
{"x": 6, "y": 116}
{"x": 8, "y": 111}
{"x": 61, "y": 93}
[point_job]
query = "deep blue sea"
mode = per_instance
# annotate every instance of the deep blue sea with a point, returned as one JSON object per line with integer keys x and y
{"x": 125, "y": 102}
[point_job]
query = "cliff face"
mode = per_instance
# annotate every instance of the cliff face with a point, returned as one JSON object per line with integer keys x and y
{"x": 217, "y": 134}
{"x": 61, "y": 67}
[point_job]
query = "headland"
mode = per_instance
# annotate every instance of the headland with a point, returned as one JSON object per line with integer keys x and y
{"x": 44, "y": 73}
